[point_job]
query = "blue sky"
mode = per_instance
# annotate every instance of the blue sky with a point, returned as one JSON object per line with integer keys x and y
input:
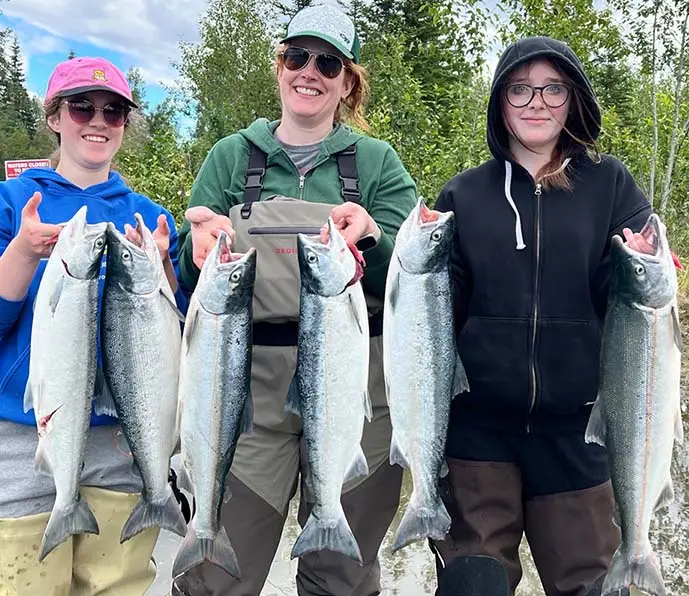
{"x": 144, "y": 34}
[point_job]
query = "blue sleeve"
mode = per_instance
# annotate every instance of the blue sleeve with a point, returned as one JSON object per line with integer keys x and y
{"x": 9, "y": 309}
{"x": 180, "y": 296}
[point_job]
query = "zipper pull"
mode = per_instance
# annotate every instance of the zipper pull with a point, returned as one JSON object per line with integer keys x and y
{"x": 537, "y": 192}
{"x": 301, "y": 186}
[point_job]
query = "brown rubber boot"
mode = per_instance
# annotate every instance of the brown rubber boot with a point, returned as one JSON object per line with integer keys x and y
{"x": 484, "y": 500}
{"x": 572, "y": 538}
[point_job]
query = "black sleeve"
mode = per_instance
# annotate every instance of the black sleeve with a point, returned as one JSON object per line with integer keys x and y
{"x": 631, "y": 209}
{"x": 460, "y": 273}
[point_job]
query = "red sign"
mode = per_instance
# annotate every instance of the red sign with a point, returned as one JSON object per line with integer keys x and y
{"x": 14, "y": 167}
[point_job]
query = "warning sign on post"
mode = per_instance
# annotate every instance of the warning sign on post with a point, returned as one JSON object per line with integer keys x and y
{"x": 14, "y": 167}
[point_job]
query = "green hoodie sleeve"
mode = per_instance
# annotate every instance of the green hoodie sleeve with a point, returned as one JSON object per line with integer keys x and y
{"x": 391, "y": 203}
{"x": 216, "y": 176}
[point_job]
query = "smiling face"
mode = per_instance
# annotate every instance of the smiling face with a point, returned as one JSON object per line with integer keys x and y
{"x": 307, "y": 97}
{"x": 89, "y": 146}
{"x": 536, "y": 125}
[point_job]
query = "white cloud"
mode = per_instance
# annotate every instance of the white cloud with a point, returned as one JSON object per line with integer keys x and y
{"x": 148, "y": 31}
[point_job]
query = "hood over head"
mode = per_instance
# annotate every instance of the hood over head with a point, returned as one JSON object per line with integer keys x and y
{"x": 561, "y": 55}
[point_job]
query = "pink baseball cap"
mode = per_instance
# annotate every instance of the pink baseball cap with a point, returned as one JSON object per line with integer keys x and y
{"x": 81, "y": 75}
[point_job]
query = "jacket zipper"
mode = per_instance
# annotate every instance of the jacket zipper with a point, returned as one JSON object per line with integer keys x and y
{"x": 534, "y": 387}
{"x": 302, "y": 177}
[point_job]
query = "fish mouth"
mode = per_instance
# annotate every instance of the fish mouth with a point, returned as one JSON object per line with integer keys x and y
{"x": 652, "y": 232}
{"x": 225, "y": 256}
{"x": 114, "y": 235}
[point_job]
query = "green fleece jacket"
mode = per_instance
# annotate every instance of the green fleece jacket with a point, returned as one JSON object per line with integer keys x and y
{"x": 387, "y": 190}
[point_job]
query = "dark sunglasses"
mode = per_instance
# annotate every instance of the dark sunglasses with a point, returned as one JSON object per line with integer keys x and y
{"x": 329, "y": 65}
{"x": 83, "y": 111}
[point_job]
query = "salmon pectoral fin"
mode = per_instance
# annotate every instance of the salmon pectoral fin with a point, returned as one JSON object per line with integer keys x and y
{"x": 28, "y": 397}
{"x": 666, "y": 496}
{"x": 358, "y": 468}
{"x": 677, "y": 331}
{"x": 397, "y": 455}
{"x": 57, "y": 292}
{"x": 41, "y": 461}
{"x": 460, "y": 382}
{"x": 596, "y": 431}
{"x": 293, "y": 403}
{"x": 679, "y": 431}
{"x": 247, "y": 422}
{"x": 103, "y": 402}
{"x": 170, "y": 299}
{"x": 368, "y": 408}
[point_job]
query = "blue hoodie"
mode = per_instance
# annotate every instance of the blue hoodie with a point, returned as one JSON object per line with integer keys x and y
{"x": 111, "y": 201}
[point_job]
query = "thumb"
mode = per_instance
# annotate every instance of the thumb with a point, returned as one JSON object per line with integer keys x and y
{"x": 31, "y": 207}
{"x": 199, "y": 215}
{"x": 163, "y": 227}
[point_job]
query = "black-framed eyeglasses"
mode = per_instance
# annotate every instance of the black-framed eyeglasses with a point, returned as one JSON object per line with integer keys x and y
{"x": 520, "y": 95}
{"x": 329, "y": 65}
{"x": 82, "y": 111}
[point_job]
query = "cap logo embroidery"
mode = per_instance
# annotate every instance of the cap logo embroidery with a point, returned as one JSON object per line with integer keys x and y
{"x": 343, "y": 36}
{"x": 99, "y": 75}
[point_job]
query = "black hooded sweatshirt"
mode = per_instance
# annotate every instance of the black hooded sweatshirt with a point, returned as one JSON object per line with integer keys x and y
{"x": 531, "y": 269}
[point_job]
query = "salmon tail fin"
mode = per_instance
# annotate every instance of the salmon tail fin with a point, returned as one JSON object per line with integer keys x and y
{"x": 596, "y": 430}
{"x": 321, "y": 534}
{"x": 195, "y": 550}
{"x": 643, "y": 573}
{"x": 419, "y": 523}
{"x": 147, "y": 515}
{"x": 64, "y": 523}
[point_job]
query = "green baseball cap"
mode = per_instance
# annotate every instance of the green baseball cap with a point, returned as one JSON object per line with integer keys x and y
{"x": 328, "y": 23}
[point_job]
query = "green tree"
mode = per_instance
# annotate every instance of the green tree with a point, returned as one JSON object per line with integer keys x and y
{"x": 229, "y": 74}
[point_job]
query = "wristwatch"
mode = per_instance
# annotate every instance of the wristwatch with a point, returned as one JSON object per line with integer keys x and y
{"x": 369, "y": 241}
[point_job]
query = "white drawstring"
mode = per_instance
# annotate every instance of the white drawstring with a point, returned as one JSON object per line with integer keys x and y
{"x": 519, "y": 234}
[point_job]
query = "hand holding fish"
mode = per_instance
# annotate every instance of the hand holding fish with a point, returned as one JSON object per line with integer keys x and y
{"x": 353, "y": 222}
{"x": 161, "y": 235}
{"x": 35, "y": 239}
{"x": 205, "y": 228}
{"x": 637, "y": 242}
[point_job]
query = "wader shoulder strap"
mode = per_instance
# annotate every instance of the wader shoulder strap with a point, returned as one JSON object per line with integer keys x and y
{"x": 349, "y": 179}
{"x": 256, "y": 170}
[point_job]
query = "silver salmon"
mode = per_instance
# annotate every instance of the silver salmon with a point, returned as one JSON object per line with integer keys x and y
{"x": 423, "y": 371}
{"x": 215, "y": 397}
{"x": 637, "y": 413}
{"x": 60, "y": 390}
{"x": 141, "y": 338}
{"x": 329, "y": 390}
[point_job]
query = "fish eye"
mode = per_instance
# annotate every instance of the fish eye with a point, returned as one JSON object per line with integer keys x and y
{"x": 100, "y": 243}
{"x": 311, "y": 258}
{"x": 126, "y": 255}
{"x": 236, "y": 276}
{"x": 639, "y": 269}
{"x": 436, "y": 235}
